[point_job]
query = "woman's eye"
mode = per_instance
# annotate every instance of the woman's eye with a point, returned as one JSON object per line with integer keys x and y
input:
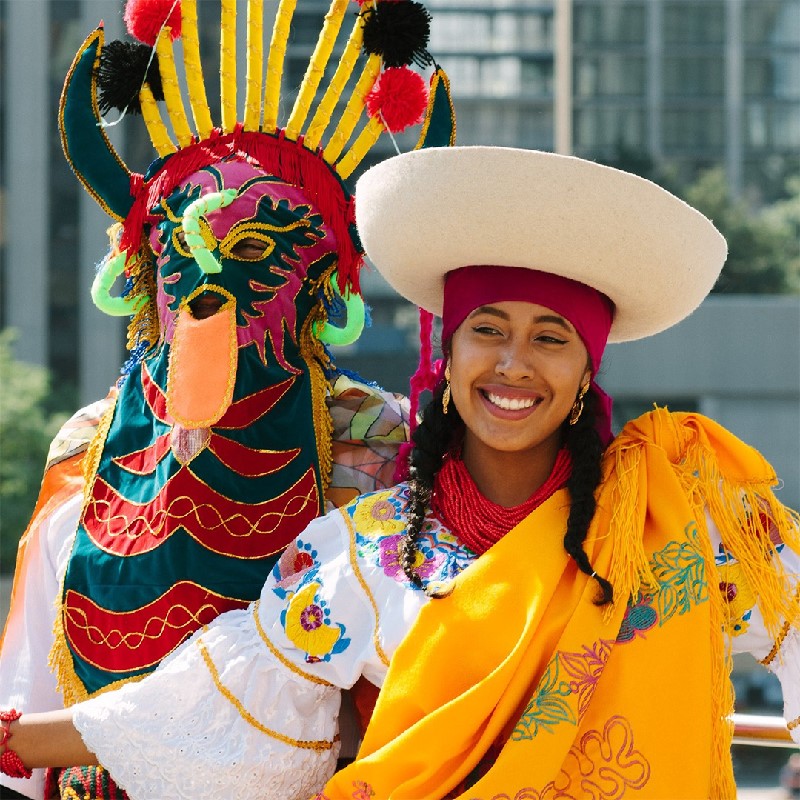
{"x": 487, "y": 330}
{"x": 548, "y": 338}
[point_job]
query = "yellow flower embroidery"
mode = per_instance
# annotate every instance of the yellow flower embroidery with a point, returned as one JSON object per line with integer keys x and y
{"x": 738, "y": 598}
{"x": 305, "y": 624}
{"x": 375, "y": 515}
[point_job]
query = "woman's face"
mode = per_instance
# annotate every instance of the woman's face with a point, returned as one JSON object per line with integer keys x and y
{"x": 516, "y": 369}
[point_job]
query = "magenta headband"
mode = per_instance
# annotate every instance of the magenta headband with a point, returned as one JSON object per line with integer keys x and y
{"x": 590, "y": 312}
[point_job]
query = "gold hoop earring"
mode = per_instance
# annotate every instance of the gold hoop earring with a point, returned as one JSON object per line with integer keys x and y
{"x": 577, "y": 406}
{"x": 446, "y": 392}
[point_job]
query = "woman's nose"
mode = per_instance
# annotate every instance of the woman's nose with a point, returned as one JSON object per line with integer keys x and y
{"x": 514, "y": 362}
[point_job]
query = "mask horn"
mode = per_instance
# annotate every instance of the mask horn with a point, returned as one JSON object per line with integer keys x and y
{"x": 439, "y": 128}
{"x": 112, "y": 268}
{"x": 356, "y": 319}
{"x": 87, "y": 148}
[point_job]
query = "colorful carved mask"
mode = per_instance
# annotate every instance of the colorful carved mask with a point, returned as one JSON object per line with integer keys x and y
{"x": 217, "y": 451}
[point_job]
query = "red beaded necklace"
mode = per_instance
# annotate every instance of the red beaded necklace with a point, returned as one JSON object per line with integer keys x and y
{"x": 477, "y": 521}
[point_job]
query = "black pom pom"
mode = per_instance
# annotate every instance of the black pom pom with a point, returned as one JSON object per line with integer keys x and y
{"x": 120, "y": 75}
{"x": 398, "y": 31}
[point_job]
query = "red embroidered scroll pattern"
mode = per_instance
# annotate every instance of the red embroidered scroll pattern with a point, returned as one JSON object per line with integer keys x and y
{"x": 243, "y": 530}
{"x": 602, "y": 766}
{"x": 130, "y": 640}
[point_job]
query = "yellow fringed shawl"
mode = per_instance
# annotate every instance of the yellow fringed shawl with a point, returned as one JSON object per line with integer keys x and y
{"x": 590, "y": 702}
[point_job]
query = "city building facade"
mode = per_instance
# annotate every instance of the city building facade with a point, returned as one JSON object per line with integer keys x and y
{"x": 687, "y": 84}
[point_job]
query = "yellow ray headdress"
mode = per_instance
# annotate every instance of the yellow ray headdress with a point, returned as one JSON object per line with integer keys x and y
{"x": 390, "y": 35}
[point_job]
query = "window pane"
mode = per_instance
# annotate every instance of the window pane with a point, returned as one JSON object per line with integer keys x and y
{"x": 774, "y": 75}
{"x": 611, "y": 22}
{"x": 694, "y": 76}
{"x": 693, "y": 129}
{"x": 694, "y": 23}
{"x": 609, "y": 128}
{"x": 772, "y": 22}
{"x": 609, "y": 74}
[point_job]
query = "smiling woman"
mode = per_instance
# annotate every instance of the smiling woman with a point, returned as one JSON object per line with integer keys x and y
{"x": 549, "y": 609}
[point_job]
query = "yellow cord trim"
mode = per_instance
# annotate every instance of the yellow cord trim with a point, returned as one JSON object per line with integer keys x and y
{"x": 60, "y": 658}
{"x": 156, "y": 128}
{"x": 344, "y": 70}
{"x": 793, "y": 724}
{"x": 353, "y": 110}
{"x": 318, "y": 746}
{"x": 357, "y": 572}
{"x": 316, "y": 67}
{"x": 784, "y": 632}
{"x": 277, "y": 653}
{"x": 227, "y": 61}
{"x": 172, "y": 92}
{"x": 255, "y": 64}
{"x": 94, "y": 451}
{"x": 194, "y": 70}
{"x": 362, "y": 145}
{"x": 144, "y": 323}
{"x": 277, "y": 53}
{"x": 313, "y": 353}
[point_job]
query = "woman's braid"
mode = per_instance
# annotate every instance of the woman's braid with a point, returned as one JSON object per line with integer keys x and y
{"x": 586, "y": 451}
{"x": 432, "y": 438}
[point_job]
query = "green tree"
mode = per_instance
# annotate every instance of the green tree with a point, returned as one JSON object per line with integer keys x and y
{"x": 26, "y": 429}
{"x": 763, "y": 248}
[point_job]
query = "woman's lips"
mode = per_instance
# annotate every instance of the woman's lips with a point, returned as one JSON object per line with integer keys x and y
{"x": 508, "y": 402}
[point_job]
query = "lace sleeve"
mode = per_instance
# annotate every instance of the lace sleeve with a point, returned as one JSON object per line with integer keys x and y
{"x": 781, "y": 653}
{"x": 247, "y": 707}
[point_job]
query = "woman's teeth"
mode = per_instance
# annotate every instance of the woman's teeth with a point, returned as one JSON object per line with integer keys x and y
{"x": 509, "y": 403}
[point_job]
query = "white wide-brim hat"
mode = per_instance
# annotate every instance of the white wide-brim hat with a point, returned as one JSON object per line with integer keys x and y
{"x": 425, "y": 213}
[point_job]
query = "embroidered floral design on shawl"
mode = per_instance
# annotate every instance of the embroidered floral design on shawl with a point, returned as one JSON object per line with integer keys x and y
{"x": 680, "y": 572}
{"x": 548, "y": 706}
{"x": 585, "y": 669}
{"x": 640, "y": 616}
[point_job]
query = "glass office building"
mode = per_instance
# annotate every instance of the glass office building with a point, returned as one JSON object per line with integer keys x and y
{"x": 687, "y": 83}
{"x": 692, "y": 84}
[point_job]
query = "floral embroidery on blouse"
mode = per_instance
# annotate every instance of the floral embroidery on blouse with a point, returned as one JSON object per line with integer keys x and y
{"x": 426, "y": 562}
{"x": 739, "y": 599}
{"x": 378, "y": 513}
{"x": 306, "y": 620}
{"x": 440, "y": 556}
{"x": 295, "y": 561}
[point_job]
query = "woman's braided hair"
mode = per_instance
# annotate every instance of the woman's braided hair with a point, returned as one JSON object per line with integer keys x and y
{"x": 436, "y": 434}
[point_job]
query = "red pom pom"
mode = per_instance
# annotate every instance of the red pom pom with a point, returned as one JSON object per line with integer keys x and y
{"x": 400, "y": 97}
{"x": 144, "y": 19}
